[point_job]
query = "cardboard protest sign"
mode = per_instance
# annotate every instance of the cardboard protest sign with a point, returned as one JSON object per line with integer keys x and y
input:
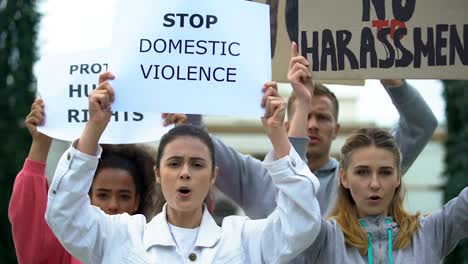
{"x": 385, "y": 38}
{"x": 177, "y": 56}
{"x": 284, "y": 23}
{"x": 64, "y": 83}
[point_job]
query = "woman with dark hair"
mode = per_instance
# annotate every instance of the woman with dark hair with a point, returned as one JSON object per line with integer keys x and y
{"x": 369, "y": 223}
{"x": 122, "y": 184}
{"x": 184, "y": 231}
{"x": 123, "y": 180}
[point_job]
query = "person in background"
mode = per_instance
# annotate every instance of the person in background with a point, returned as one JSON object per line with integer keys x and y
{"x": 223, "y": 208}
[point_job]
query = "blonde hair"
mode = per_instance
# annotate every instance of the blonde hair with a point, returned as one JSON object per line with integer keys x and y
{"x": 345, "y": 211}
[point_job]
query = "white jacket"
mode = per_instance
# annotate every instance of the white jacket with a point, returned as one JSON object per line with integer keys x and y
{"x": 94, "y": 237}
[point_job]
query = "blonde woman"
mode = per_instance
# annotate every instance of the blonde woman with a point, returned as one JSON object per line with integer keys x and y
{"x": 369, "y": 223}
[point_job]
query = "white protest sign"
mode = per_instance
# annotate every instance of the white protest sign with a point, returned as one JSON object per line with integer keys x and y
{"x": 181, "y": 56}
{"x": 64, "y": 83}
{"x": 385, "y": 38}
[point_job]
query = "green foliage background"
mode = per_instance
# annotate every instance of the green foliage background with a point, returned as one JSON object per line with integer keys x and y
{"x": 18, "y": 31}
{"x": 456, "y": 159}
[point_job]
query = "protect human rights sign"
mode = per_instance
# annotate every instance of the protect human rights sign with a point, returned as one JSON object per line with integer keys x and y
{"x": 65, "y": 81}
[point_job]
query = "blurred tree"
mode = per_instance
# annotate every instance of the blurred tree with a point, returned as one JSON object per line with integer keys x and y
{"x": 18, "y": 30}
{"x": 456, "y": 159}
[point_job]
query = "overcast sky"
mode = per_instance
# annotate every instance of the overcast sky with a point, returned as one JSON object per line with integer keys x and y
{"x": 86, "y": 25}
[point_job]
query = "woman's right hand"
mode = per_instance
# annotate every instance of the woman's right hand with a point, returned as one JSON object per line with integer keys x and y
{"x": 99, "y": 105}
{"x": 100, "y": 102}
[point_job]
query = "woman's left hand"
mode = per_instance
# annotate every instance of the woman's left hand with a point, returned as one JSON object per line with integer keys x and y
{"x": 273, "y": 120}
{"x": 275, "y": 107}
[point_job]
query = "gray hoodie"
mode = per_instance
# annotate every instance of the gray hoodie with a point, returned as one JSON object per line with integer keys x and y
{"x": 437, "y": 236}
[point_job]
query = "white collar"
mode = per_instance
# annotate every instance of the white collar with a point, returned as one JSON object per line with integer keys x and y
{"x": 157, "y": 231}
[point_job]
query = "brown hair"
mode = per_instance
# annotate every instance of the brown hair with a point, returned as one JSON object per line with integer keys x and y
{"x": 186, "y": 131}
{"x": 319, "y": 90}
{"x": 345, "y": 211}
{"x": 182, "y": 131}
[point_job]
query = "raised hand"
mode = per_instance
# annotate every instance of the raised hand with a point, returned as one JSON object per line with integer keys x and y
{"x": 99, "y": 104}
{"x": 300, "y": 77}
{"x": 176, "y": 119}
{"x": 275, "y": 107}
{"x": 273, "y": 119}
{"x": 36, "y": 118}
{"x": 41, "y": 143}
{"x": 301, "y": 80}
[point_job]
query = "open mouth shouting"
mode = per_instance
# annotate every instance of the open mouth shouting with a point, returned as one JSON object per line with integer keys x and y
{"x": 184, "y": 191}
{"x": 374, "y": 199}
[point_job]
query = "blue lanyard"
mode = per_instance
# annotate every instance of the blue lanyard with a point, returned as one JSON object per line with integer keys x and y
{"x": 369, "y": 243}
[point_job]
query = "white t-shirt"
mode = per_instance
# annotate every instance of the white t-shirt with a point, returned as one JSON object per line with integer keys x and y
{"x": 185, "y": 238}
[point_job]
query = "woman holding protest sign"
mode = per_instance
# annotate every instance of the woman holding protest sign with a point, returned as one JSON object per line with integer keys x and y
{"x": 369, "y": 223}
{"x": 122, "y": 184}
{"x": 184, "y": 231}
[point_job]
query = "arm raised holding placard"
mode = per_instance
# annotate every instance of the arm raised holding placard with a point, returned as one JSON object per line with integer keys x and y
{"x": 416, "y": 123}
{"x": 257, "y": 195}
{"x": 29, "y": 200}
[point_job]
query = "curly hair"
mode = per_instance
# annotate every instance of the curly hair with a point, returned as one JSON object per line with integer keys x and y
{"x": 138, "y": 161}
